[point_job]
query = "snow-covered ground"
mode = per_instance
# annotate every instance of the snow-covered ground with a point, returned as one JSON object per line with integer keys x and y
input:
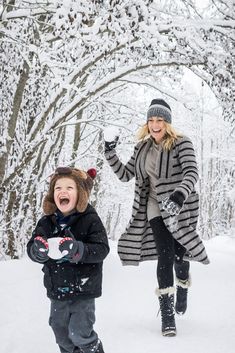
{"x": 127, "y": 319}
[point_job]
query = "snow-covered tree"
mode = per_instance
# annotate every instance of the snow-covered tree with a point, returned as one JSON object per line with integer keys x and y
{"x": 67, "y": 67}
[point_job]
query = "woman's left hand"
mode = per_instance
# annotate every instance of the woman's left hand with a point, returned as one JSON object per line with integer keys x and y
{"x": 173, "y": 203}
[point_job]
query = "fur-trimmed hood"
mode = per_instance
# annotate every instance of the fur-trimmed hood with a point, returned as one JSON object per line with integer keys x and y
{"x": 83, "y": 180}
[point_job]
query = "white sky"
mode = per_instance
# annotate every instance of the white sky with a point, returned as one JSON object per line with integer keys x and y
{"x": 202, "y": 3}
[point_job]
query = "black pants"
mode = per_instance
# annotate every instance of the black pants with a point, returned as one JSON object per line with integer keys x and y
{"x": 170, "y": 255}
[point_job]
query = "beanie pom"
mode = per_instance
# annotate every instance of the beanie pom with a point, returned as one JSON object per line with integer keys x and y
{"x": 92, "y": 173}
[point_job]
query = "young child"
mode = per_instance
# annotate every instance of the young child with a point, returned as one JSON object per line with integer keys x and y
{"x": 73, "y": 279}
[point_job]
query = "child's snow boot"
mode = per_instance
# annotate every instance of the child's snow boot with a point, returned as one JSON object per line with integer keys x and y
{"x": 181, "y": 295}
{"x": 166, "y": 300}
{"x": 96, "y": 347}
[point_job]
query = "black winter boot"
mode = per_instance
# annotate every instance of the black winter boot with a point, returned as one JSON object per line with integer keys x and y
{"x": 166, "y": 300}
{"x": 96, "y": 347}
{"x": 181, "y": 295}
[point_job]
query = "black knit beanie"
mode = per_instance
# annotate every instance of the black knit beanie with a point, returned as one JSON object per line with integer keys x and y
{"x": 159, "y": 108}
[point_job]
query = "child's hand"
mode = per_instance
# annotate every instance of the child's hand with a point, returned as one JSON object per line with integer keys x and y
{"x": 71, "y": 248}
{"x": 68, "y": 247}
{"x": 40, "y": 247}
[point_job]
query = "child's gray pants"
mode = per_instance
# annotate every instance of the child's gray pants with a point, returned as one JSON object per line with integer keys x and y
{"x": 72, "y": 323}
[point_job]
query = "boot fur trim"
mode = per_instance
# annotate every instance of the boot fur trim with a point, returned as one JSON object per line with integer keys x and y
{"x": 184, "y": 283}
{"x": 162, "y": 291}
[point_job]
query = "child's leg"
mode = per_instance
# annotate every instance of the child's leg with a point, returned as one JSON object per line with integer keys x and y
{"x": 81, "y": 323}
{"x": 59, "y": 322}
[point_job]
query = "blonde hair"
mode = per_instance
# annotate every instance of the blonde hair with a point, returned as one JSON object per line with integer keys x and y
{"x": 171, "y": 135}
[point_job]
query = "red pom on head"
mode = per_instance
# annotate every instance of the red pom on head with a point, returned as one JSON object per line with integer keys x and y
{"x": 92, "y": 173}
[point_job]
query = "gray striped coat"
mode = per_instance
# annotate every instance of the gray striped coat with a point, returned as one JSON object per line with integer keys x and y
{"x": 176, "y": 170}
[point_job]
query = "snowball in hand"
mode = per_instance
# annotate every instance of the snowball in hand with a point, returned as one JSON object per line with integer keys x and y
{"x": 54, "y": 252}
{"x": 111, "y": 133}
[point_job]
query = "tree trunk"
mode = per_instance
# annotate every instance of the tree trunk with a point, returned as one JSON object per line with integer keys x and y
{"x": 11, "y": 250}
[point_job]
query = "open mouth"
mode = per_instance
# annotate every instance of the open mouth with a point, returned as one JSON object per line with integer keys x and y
{"x": 64, "y": 201}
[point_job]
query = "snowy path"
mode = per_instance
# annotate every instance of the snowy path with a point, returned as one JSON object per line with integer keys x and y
{"x": 126, "y": 313}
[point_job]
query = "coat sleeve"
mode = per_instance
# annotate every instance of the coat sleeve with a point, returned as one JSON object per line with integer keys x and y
{"x": 188, "y": 163}
{"x": 96, "y": 246}
{"x": 124, "y": 172}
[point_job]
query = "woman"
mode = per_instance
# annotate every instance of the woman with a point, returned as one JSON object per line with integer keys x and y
{"x": 165, "y": 208}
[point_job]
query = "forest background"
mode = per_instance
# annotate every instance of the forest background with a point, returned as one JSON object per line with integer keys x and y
{"x": 71, "y": 68}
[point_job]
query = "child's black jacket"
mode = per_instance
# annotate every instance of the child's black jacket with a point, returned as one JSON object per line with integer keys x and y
{"x": 63, "y": 279}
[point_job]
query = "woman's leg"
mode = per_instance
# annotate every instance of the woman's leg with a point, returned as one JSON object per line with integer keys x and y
{"x": 165, "y": 248}
{"x": 166, "y": 253}
{"x": 182, "y": 270}
{"x": 182, "y": 280}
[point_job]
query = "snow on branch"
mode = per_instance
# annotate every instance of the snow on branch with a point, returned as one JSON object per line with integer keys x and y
{"x": 25, "y": 13}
